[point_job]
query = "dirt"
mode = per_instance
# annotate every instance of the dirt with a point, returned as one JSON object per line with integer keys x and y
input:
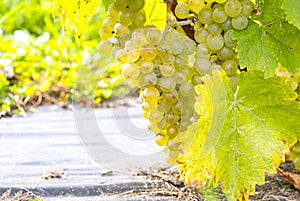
{"x": 167, "y": 185}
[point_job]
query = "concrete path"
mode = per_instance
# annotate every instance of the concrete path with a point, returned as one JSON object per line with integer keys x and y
{"x": 49, "y": 141}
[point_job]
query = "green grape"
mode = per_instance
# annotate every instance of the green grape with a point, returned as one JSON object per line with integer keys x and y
{"x": 247, "y": 8}
{"x": 166, "y": 83}
{"x": 174, "y": 44}
{"x": 202, "y": 51}
{"x": 201, "y": 35}
{"x": 189, "y": 46}
{"x": 232, "y": 8}
{"x": 297, "y": 163}
{"x": 120, "y": 5}
{"x": 163, "y": 105}
{"x": 167, "y": 70}
{"x": 225, "y": 53}
{"x": 173, "y": 146}
{"x": 162, "y": 125}
{"x": 296, "y": 148}
{"x": 148, "y": 52}
{"x": 219, "y": 15}
{"x": 205, "y": 15}
{"x": 169, "y": 97}
{"x": 139, "y": 38}
{"x": 135, "y": 5}
{"x": 129, "y": 55}
{"x": 105, "y": 32}
{"x": 186, "y": 89}
{"x": 182, "y": 76}
{"x": 148, "y": 79}
{"x": 146, "y": 66}
{"x": 177, "y": 108}
{"x": 130, "y": 45}
{"x": 161, "y": 139}
{"x": 239, "y": 22}
{"x": 172, "y": 131}
{"x": 139, "y": 19}
{"x": 215, "y": 67}
{"x": 109, "y": 22}
{"x": 185, "y": 124}
{"x": 182, "y": 10}
{"x": 202, "y": 66}
{"x": 151, "y": 95}
{"x": 172, "y": 118}
{"x": 226, "y": 25}
{"x": 234, "y": 81}
{"x": 121, "y": 29}
{"x": 130, "y": 71}
{"x": 125, "y": 17}
{"x": 179, "y": 61}
{"x": 215, "y": 41}
{"x": 196, "y": 5}
{"x": 230, "y": 67}
{"x": 214, "y": 28}
{"x": 187, "y": 113}
{"x": 169, "y": 60}
{"x": 104, "y": 47}
{"x": 155, "y": 115}
{"x": 112, "y": 11}
{"x": 154, "y": 35}
{"x": 228, "y": 39}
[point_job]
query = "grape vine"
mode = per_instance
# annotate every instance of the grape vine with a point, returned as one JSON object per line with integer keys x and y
{"x": 218, "y": 84}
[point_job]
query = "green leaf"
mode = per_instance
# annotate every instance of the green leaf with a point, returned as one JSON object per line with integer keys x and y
{"x": 269, "y": 40}
{"x": 292, "y": 10}
{"x": 261, "y": 120}
{"x": 107, "y": 3}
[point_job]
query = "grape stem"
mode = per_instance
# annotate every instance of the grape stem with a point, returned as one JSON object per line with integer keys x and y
{"x": 168, "y": 18}
{"x": 184, "y": 23}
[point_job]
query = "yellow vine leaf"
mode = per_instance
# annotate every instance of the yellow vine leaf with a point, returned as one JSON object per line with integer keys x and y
{"x": 75, "y": 15}
{"x": 156, "y": 12}
{"x": 240, "y": 135}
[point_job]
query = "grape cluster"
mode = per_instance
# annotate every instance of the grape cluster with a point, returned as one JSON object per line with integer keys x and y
{"x": 215, "y": 22}
{"x": 160, "y": 67}
{"x": 167, "y": 65}
{"x": 122, "y": 16}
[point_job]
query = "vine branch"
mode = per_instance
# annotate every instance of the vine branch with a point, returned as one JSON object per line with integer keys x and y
{"x": 184, "y": 23}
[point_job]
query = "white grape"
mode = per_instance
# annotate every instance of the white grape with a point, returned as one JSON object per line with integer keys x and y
{"x": 215, "y": 41}
{"x": 233, "y": 8}
{"x": 219, "y": 15}
{"x": 239, "y": 22}
{"x": 182, "y": 10}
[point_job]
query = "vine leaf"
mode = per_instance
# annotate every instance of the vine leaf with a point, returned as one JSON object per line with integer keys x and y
{"x": 75, "y": 15}
{"x": 258, "y": 123}
{"x": 107, "y": 3}
{"x": 292, "y": 8}
{"x": 269, "y": 40}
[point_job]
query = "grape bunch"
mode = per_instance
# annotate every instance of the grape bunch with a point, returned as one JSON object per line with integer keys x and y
{"x": 166, "y": 65}
{"x": 215, "y": 22}
{"x": 122, "y": 16}
{"x": 160, "y": 67}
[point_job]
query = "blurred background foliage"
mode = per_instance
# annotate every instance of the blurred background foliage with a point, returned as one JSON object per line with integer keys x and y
{"x": 40, "y": 65}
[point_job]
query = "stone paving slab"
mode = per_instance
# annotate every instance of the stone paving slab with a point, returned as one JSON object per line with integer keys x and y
{"x": 48, "y": 140}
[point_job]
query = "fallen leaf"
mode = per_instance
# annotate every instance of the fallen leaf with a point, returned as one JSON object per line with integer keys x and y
{"x": 292, "y": 178}
{"x": 53, "y": 174}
